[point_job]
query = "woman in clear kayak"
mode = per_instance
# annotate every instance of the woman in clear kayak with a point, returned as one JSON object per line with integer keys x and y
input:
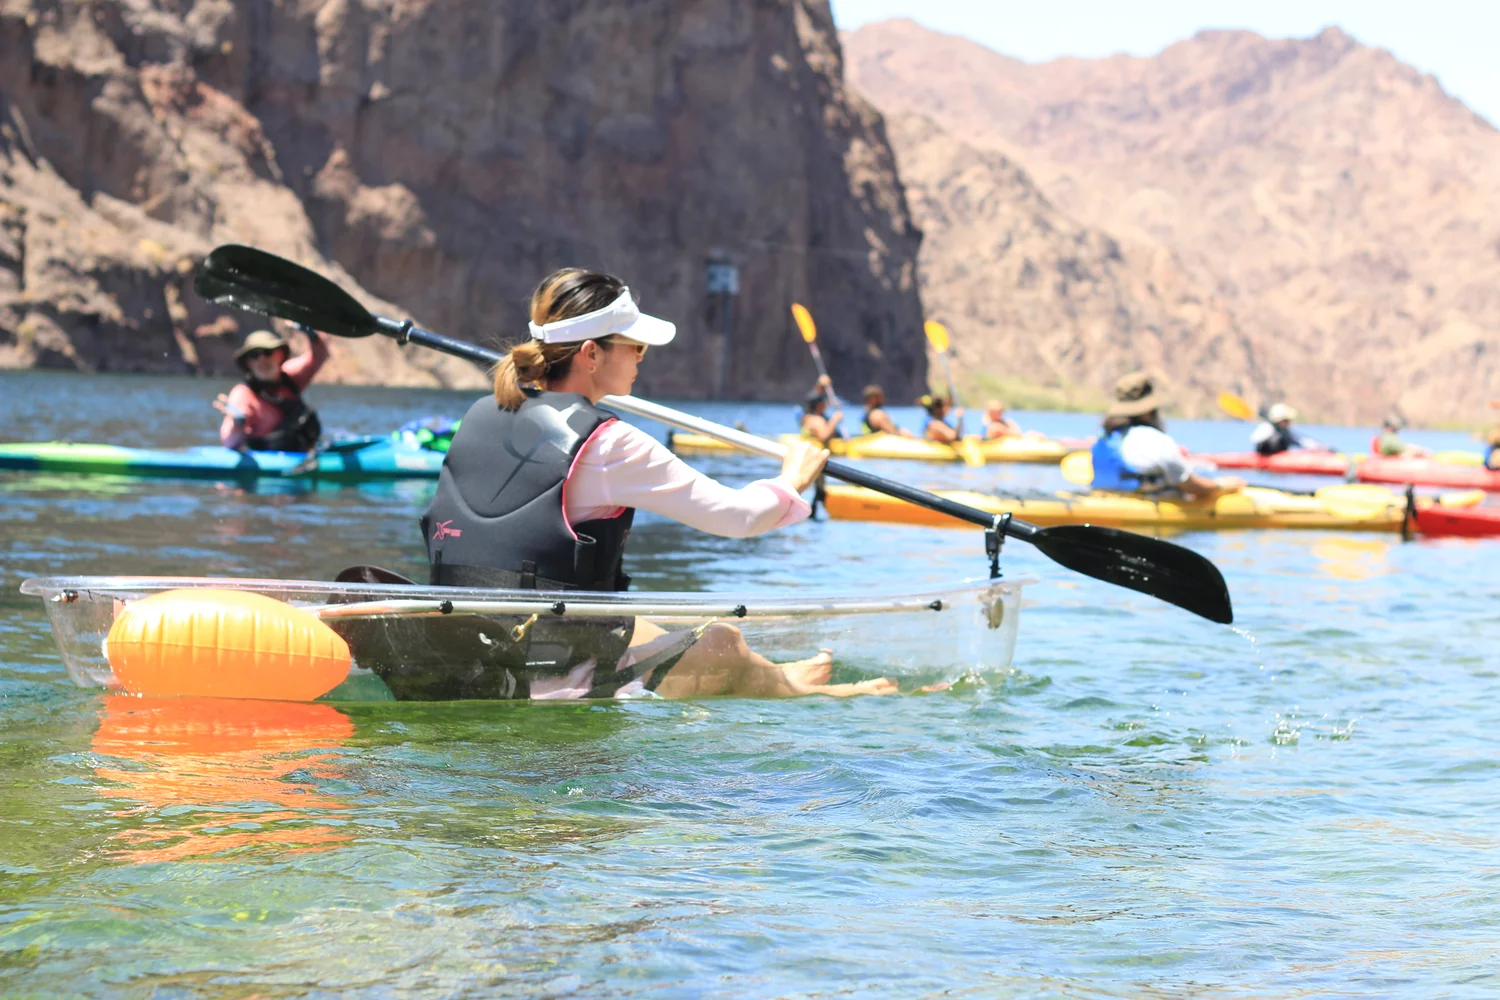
{"x": 1135, "y": 453}
{"x": 266, "y": 412}
{"x": 539, "y": 489}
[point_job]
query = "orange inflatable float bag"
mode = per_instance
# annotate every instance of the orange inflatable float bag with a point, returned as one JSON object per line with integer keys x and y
{"x": 224, "y": 644}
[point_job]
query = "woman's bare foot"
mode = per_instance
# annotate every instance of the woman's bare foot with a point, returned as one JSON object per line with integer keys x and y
{"x": 811, "y": 671}
{"x": 880, "y": 685}
{"x": 810, "y": 676}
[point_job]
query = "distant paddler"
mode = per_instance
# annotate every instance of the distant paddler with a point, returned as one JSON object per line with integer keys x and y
{"x": 816, "y": 425}
{"x": 1274, "y": 434}
{"x": 266, "y": 412}
{"x": 1492, "y": 442}
{"x": 1388, "y": 443}
{"x": 540, "y": 486}
{"x": 938, "y": 429}
{"x": 1135, "y": 453}
{"x": 819, "y": 428}
{"x": 997, "y": 425}
{"x": 876, "y": 420}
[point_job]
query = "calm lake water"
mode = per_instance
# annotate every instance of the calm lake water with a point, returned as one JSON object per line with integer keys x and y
{"x": 1146, "y": 805}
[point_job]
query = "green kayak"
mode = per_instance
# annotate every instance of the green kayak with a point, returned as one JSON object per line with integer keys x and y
{"x": 350, "y": 459}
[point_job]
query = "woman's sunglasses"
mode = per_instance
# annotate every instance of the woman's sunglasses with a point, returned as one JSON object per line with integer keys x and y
{"x": 640, "y": 349}
{"x": 258, "y": 353}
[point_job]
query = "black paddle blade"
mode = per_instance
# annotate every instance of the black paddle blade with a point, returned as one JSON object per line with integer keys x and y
{"x": 254, "y": 280}
{"x": 371, "y": 574}
{"x": 1165, "y": 571}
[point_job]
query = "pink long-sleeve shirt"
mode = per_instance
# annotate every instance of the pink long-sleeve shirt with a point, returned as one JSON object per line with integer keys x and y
{"x": 262, "y": 417}
{"x": 622, "y": 466}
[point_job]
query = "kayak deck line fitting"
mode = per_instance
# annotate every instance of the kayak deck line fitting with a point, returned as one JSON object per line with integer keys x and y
{"x": 475, "y": 640}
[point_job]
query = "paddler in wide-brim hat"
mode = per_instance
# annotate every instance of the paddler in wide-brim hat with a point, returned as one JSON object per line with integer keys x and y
{"x": 539, "y": 489}
{"x": 266, "y": 412}
{"x": 1135, "y": 453}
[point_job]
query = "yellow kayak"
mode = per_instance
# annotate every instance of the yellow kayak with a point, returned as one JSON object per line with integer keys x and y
{"x": 1353, "y": 507}
{"x": 972, "y": 450}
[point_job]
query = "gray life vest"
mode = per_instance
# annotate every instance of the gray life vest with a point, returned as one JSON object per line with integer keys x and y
{"x": 497, "y": 518}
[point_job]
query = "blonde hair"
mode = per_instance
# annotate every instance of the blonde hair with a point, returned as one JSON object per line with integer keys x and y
{"x": 563, "y": 294}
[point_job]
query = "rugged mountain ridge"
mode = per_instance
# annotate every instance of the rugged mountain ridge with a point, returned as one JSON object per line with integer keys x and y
{"x": 445, "y": 157}
{"x": 1028, "y": 289}
{"x": 1337, "y": 203}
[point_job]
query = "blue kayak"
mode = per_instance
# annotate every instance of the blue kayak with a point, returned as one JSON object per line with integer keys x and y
{"x": 350, "y": 459}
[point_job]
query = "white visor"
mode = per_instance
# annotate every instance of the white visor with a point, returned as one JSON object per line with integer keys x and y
{"x": 620, "y": 317}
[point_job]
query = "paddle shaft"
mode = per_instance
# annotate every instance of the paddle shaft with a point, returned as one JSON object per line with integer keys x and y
{"x": 812, "y": 345}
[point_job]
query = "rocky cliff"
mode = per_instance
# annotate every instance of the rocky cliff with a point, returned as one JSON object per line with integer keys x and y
{"x": 445, "y": 156}
{"x": 1026, "y": 290}
{"x": 1338, "y": 204}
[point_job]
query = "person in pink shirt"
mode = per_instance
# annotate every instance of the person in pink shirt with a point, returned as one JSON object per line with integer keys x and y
{"x": 266, "y": 412}
{"x": 539, "y": 488}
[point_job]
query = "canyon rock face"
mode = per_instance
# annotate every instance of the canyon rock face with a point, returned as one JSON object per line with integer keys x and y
{"x": 1026, "y": 289}
{"x": 446, "y": 157}
{"x": 1335, "y": 204}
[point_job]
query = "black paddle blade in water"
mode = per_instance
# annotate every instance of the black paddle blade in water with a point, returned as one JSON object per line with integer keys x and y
{"x": 1165, "y": 571}
{"x": 262, "y": 282}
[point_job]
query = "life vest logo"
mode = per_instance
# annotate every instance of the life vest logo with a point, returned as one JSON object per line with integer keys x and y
{"x": 446, "y": 530}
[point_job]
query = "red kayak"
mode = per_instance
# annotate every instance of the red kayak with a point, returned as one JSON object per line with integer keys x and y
{"x": 1439, "y": 521}
{"x": 1306, "y": 463}
{"x": 1426, "y": 472}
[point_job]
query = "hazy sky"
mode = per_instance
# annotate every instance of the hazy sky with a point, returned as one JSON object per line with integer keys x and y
{"x": 1456, "y": 41}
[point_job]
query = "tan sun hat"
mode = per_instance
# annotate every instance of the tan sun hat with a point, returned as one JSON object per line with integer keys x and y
{"x": 1279, "y": 412}
{"x": 260, "y": 340}
{"x": 1137, "y": 394}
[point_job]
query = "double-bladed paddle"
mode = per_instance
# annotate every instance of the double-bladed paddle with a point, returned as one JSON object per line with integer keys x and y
{"x": 252, "y": 279}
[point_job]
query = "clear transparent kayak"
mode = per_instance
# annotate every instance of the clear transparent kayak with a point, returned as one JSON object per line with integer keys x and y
{"x": 305, "y": 640}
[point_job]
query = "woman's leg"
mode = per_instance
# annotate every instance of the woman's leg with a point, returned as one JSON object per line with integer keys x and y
{"x": 720, "y": 663}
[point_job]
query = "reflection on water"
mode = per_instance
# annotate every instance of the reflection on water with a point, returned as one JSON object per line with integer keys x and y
{"x": 200, "y": 777}
{"x": 1350, "y": 557}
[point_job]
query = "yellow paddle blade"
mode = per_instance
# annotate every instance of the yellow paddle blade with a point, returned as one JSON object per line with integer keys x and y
{"x": 1078, "y": 468}
{"x": 1235, "y": 406}
{"x": 937, "y": 335}
{"x": 804, "y": 322}
{"x": 1358, "y": 501}
{"x": 969, "y": 450}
